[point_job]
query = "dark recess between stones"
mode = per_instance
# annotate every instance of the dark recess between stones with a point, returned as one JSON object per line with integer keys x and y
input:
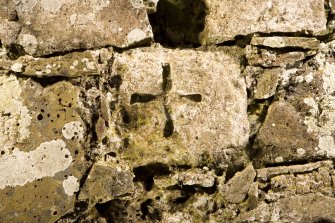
{"x": 178, "y": 24}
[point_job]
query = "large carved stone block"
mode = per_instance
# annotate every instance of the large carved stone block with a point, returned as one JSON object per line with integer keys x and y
{"x": 177, "y": 114}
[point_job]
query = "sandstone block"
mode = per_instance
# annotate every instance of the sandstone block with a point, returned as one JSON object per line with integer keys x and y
{"x": 273, "y": 58}
{"x": 41, "y": 150}
{"x": 174, "y": 113}
{"x": 236, "y": 189}
{"x": 282, "y": 42}
{"x": 228, "y": 19}
{"x": 57, "y": 26}
{"x": 106, "y": 182}
{"x": 300, "y": 124}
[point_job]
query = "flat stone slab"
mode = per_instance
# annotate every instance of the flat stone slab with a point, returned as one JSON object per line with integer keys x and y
{"x": 42, "y": 155}
{"x": 282, "y": 42}
{"x": 266, "y": 173}
{"x": 106, "y": 182}
{"x": 166, "y": 105}
{"x": 274, "y": 58}
{"x": 283, "y": 136}
{"x": 79, "y": 25}
{"x": 76, "y": 64}
{"x": 228, "y": 19}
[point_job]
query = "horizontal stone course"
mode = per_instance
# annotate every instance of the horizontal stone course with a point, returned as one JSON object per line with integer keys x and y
{"x": 228, "y": 19}
{"x": 48, "y": 27}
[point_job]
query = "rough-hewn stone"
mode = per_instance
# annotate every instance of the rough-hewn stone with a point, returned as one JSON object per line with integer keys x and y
{"x": 41, "y": 165}
{"x": 267, "y": 83}
{"x": 294, "y": 194}
{"x": 282, "y": 42}
{"x": 88, "y": 63}
{"x": 237, "y": 187}
{"x": 308, "y": 208}
{"x": 201, "y": 178}
{"x": 9, "y": 31}
{"x": 80, "y": 25}
{"x": 97, "y": 127}
{"x": 282, "y": 135}
{"x": 299, "y": 125}
{"x": 274, "y": 58}
{"x": 268, "y": 173}
{"x": 106, "y": 182}
{"x": 226, "y": 20}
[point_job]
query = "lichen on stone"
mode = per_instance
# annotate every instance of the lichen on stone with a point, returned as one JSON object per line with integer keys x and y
{"x": 167, "y": 111}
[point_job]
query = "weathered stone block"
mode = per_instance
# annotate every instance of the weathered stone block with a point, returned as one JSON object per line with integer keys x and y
{"x": 282, "y": 42}
{"x": 295, "y": 193}
{"x": 9, "y": 31}
{"x": 201, "y": 178}
{"x": 236, "y": 189}
{"x": 282, "y": 134}
{"x": 228, "y": 19}
{"x": 267, "y": 83}
{"x": 79, "y": 25}
{"x": 88, "y": 63}
{"x": 299, "y": 208}
{"x": 41, "y": 150}
{"x": 262, "y": 83}
{"x": 300, "y": 124}
{"x": 180, "y": 114}
{"x": 106, "y": 182}
{"x": 274, "y": 58}
{"x": 7, "y": 10}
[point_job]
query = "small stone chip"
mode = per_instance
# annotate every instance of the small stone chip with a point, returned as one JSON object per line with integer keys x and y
{"x": 17, "y": 67}
{"x": 237, "y": 187}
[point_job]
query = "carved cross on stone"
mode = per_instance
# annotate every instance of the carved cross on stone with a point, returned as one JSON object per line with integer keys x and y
{"x": 162, "y": 119}
{"x": 164, "y": 98}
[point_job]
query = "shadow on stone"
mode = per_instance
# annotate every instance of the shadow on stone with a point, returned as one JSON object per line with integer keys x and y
{"x": 179, "y": 22}
{"x": 324, "y": 220}
{"x": 145, "y": 174}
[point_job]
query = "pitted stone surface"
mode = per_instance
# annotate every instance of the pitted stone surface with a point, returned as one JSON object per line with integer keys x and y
{"x": 308, "y": 208}
{"x": 80, "y": 25}
{"x": 35, "y": 164}
{"x": 300, "y": 124}
{"x": 228, "y": 19}
{"x": 97, "y": 127}
{"x": 177, "y": 105}
{"x": 35, "y": 157}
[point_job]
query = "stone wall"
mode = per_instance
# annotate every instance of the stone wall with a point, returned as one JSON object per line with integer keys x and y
{"x": 167, "y": 111}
